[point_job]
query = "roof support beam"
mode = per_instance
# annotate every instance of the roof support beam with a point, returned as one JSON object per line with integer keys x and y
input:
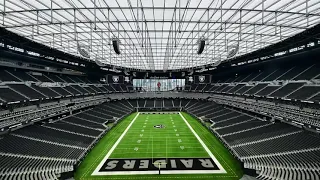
{"x": 158, "y": 21}
{"x": 161, "y": 8}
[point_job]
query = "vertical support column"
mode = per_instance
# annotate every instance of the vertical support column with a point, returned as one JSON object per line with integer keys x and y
{"x": 91, "y": 32}
{"x": 192, "y": 49}
{"x": 52, "y": 45}
{"x": 260, "y": 40}
{"x": 125, "y": 50}
{"x": 74, "y": 26}
{"x": 37, "y": 22}
{"x": 221, "y": 14}
{"x": 275, "y": 22}
{"x": 102, "y": 46}
{"x": 240, "y": 28}
{"x": 214, "y": 45}
{"x": 207, "y": 47}
{"x": 254, "y": 35}
{"x": 51, "y": 6}
{"x": 208, "y": 19}
{"x": 142, "y": 41}
{"x": 95, "y": 15}
{"x": 307, "y": 13}
{"x": 4, "y": 12}
{"x": 118, "y": 30}
{"x": 199, "y": 30}
{"x": 175, "y": 28}
{"x": 188, "y": 50}
{"x": 262, "y": 12}
{"x": 60, "y": 34}
{"x": 225, "y": 37}
{"x": 137, "y": 16}
{"x": 280, "y": 33}
{"x": 246, "y": 46}
{"x": 32, "y": 33}
{"x": 109, "y": 34}
{"x": 179, "y": 27}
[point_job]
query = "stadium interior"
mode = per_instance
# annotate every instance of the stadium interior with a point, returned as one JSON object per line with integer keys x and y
{"x": 168, "y": 89}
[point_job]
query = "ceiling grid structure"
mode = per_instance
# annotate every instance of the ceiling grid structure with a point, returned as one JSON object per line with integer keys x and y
{"x": 158, "y": 34}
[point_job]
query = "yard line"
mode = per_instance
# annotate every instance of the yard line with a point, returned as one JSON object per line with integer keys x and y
{"x": 173, "y": 152}
{"x": 98, "y": 157}
{"x": 204, "y": 145}
{"x": 96, "y": 171}
{"x": 191, "y": 147}
{"x": 172, "y": 143}
{"x": 166, "y": 152}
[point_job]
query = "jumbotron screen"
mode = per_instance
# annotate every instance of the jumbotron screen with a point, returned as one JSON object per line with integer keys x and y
{"x": 152, "y": 84}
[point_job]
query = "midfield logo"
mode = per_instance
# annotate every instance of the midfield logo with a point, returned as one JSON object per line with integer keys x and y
{"x": 115, "y": 79}
{"x": 126, "y": 79}
{"x": 202, "y": 78}
{"x": 159, "y": 126}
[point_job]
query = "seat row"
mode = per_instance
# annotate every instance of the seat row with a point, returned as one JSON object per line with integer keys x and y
{"x": 276, "y": 150}
{"x": 43, "y": 151}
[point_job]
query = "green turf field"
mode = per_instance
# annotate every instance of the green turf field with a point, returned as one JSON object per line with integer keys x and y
{"x": 159, "y": 137}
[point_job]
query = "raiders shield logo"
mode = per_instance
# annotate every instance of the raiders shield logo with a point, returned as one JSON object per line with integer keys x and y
{"x": 126, "y": 79}
{"x": 202, "y": 78}
{"x": 160, "y": 126}
{"x": 115, "y": 79}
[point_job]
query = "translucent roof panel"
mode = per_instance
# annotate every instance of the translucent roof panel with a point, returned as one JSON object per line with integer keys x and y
{"x": 158, "y": 34}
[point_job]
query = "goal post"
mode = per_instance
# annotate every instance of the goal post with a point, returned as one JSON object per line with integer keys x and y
{"x": 159, "y": 163}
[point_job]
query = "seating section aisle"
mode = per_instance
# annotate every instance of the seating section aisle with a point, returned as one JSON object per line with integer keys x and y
{"x": 150, "y": 103}
{"x": 167, "y": 103}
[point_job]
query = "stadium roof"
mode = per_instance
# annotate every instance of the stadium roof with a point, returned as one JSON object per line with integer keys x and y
{"x": 158, "y": 34}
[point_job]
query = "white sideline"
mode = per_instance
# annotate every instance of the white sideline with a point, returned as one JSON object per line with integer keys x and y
{"x": 222, "y": 170}
{"x": 96, "y": 171}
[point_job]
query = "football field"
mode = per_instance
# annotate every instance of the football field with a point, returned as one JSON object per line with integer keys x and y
{"x": 168, "y": 146}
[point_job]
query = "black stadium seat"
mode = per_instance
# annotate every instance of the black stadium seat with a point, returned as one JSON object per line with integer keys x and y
{"x": 9, "y": 95}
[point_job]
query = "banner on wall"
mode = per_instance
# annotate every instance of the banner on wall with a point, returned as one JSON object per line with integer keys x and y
{"x": 202, "y": 79}
{"x": 115, "y": 79}
{"x": 128, "y": 79}
{"x": 189, "y": 80}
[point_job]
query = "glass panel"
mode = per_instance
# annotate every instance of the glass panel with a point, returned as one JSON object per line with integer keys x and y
{"x": 158, "y": 84}
{"x": 159, "y": 35}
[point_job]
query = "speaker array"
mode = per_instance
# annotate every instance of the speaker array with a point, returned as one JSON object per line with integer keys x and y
{"x": 233, "y": 50}
{"x": 83, "y": 52}
{"x": 115, "y": 44}
{"x": 201, "y": 45}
